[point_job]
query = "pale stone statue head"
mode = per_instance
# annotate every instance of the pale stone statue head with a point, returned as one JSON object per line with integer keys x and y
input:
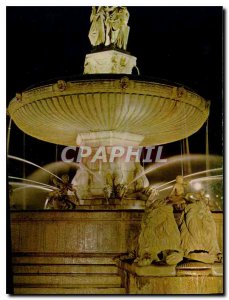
{"x": 179, "y": 179}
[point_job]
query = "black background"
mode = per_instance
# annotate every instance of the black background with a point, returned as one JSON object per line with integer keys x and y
{"x": 179, "y": 44}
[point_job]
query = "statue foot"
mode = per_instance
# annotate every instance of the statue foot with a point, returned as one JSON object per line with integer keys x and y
{"x": 202, "y": 257}
{"x": 174, "y": 258}
{"x": 144, "y": 262}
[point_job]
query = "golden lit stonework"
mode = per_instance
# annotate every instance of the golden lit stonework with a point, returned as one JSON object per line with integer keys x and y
{"x": 160, "y": 113}
{"x": 122, "y": 232}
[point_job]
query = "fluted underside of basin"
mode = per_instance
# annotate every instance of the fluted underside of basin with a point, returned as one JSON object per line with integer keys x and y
{"x": 161, "y": 113}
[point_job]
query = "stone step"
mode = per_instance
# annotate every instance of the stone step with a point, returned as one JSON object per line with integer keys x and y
{"x": 66, "y": 269}
{"x": 113, "y": 204}
{"x": 69, "y": 279}
{"x": 83, "y": 290}
{"x": 85, "y": 259}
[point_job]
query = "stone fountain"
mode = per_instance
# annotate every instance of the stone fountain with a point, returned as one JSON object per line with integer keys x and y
{"x": 108, "y": 108}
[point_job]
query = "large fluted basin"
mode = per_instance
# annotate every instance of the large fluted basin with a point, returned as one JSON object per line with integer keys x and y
{"x": 57, "y": 113}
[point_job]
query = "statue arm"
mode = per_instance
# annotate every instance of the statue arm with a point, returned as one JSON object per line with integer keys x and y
{"x": 173, "y": 190}
{"x": 112, "y": 8}
{"x": 93, "y": 13}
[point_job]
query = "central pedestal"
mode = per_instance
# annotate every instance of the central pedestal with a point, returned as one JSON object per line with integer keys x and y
{"x": 109, "y": 62}
{"x": 109, "y": 161}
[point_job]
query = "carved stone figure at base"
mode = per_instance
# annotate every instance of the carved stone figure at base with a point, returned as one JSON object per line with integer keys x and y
{"x": 120, "y": 191}
{"x": 198, "y": 230}
{"x": 159, "y": 239}
{"x": 150, "y": 194}
{"x": 59, "y": 199}
{"x": 108, "y": 192}
{"x": 177, "y": 195}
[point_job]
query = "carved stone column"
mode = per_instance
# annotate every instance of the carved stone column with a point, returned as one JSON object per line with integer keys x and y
{"x": 113, "y": 161}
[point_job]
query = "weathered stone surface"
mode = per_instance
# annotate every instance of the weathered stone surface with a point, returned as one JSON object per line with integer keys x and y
{"x": 69, "y": 291}
{"x": 108, "y": 62}
{"x": 194, "y": 272}
{"x": 74, "y": 232}
{"x": 152, "y": 270}
{"x": 65, "y": 269}
{"x": 67, "y": 279}
{"x": 193, "y": 265}
{"x": 56, "y": 239}
{"x": 135, "y": 106}
{"x": 61, "y": 274}
{"x": 63, "y": 258}
{"x": 175, "y": 285}
{"x": 188, "y": 278}
{"x": 58, "y": 232}
{"x": 217, "y": 269}
{"x": 194, "y": 268}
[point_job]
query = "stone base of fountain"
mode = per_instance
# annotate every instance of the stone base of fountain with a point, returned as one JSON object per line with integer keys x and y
{"x": 74, "y": 252}
{"x": 110, "y": 163}
{"x": 189, "y": 278}
{"x": 111, "y": 204}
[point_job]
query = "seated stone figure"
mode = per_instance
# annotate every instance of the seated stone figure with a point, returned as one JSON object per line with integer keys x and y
{"x": 198, "y": 230}
{"x": 177, "y": 195}
{"x": 159, "y": 239}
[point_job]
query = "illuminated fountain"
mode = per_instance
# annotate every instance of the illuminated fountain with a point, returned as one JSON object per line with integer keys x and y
{"x": 110, "y": 115}
{"x": 105, "y": 111}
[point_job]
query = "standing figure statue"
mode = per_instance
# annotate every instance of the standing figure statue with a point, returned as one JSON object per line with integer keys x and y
{"x": 177, "y": 195}
{"x": 120, "y": 39}
{"x": 97, "y": 30}
{"x": 110, "y": 13}
{"x": 109, "y": 26}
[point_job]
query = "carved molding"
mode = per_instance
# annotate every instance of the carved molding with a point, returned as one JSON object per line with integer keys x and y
{"x": 141, "y": 108}
{"x": 80, "y": 232}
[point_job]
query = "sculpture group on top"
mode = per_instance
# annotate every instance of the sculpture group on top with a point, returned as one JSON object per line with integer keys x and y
{"x": 109, "y": 26}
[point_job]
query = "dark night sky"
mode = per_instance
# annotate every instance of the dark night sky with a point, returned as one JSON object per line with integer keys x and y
{"x": 180, "y": 44}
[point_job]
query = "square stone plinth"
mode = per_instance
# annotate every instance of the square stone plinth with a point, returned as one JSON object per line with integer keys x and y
{"x": 162, "y": 280}
{"x": 109, "y": 62}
